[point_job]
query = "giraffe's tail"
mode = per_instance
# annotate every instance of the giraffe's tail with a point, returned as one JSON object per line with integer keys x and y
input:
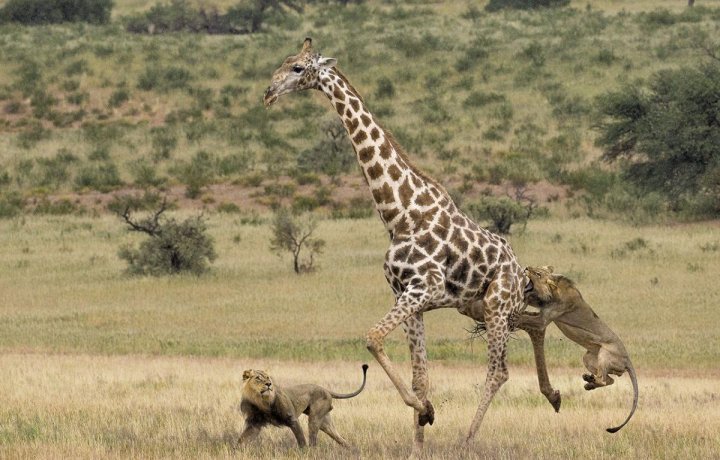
{"x": 355, "y": 393}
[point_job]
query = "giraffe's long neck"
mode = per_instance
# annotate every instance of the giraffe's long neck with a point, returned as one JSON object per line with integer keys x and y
{"x": 403, "y": 195}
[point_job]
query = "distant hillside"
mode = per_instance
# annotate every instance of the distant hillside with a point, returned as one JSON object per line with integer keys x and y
{"x": 476, "y": 98}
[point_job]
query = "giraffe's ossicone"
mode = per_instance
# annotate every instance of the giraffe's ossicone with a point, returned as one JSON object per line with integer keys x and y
{"x": 438, "y": 257}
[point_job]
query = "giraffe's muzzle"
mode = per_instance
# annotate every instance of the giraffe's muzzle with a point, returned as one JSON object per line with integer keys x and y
{"x": 270, "y": 97}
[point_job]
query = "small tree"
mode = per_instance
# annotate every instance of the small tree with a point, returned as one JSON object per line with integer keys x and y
{"x": 293, "y": 234}
{"x": 173, "y": 247}
{"x": 502, "y": 212}
{"x": 666, "y": 136}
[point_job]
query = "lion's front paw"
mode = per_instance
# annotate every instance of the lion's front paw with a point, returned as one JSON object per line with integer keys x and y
{"x": 428, "y": 416}
{"x": 589, "y": 378}
{"x": 590, "y": 386}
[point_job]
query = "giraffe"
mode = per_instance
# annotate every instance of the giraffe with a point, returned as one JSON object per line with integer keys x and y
{"x": 438, "y": 257}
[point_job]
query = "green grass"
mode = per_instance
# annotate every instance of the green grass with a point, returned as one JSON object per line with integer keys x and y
{"x": 65, "y": 292}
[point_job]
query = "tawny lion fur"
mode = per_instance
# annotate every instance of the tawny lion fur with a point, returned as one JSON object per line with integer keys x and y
{"x": 264, "y": 403}
{"x": 560, "y": 302}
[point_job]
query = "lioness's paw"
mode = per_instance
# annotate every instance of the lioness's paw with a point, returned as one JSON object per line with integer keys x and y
{"x": 589, "y": 378}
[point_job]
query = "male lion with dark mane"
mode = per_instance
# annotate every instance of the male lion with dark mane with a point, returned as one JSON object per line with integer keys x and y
{"x": 264, "y": 403}
{"x": 560, "y": 302}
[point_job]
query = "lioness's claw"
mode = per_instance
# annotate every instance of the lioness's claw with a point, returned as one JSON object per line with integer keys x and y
{"x": 428, "y": 416}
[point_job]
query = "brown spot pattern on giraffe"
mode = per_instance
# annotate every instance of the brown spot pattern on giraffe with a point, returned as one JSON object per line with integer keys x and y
{"x": 375, "y": 171}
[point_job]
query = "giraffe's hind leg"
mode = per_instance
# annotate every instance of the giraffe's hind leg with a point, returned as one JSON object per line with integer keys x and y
{"x": 500, "y": 305}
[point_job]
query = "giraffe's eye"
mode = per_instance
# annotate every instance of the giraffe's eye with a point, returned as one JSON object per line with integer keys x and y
{"x": 298, "y": 69}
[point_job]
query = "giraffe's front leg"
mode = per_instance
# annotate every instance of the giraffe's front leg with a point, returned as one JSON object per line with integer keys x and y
{"x": 415, "y": 332}
{"x": 408, "y": 304}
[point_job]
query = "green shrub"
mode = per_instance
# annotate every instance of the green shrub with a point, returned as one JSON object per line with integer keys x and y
{"x": 481, "y": 98}
{"x": 502, "y": 213}
{"x": 144, "y": 174}
{"x": 196, "y": 174}
{"x": 34, "y": 133}
{"x": 665, "y": 136}
{"x": 496, "y": 5}
{"x": 103, "y": 177}
{"x": 172, "y": 247}
{"x": 11, "y": 204}
{"x": 58, "y": 207}
{"x": 229, "y": 208}
{"x": 181, "y": 16}
{"x": 134, "y": 202}
{"x": 55, "y": 11}
{"x": 119, "y": 97}
{"x": 332, "y": 155}
{"x": 385, "y": 88}
{"x": 164, "y": 141}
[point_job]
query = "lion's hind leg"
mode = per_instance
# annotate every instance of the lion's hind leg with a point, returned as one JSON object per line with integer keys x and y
{"x": 327, "y": 427}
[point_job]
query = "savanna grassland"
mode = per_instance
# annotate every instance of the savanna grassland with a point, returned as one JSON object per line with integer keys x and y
{"x": 95, "y": 363}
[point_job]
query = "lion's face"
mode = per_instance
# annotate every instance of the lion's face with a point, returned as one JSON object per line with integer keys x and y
{"x": 541, "y": 287}
{"x": 259, "y": 384}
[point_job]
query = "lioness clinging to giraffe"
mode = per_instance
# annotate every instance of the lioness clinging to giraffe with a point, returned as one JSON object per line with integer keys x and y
{"x": 560, "y": 302}
{"x": 438, "y": 257}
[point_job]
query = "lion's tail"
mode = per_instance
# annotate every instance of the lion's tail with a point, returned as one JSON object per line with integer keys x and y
{"x": 355, "y": 393}
{"x": 633, "y": 378}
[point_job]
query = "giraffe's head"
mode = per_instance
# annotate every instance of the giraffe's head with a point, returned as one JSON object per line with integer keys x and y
{"x": 297, "y": 73}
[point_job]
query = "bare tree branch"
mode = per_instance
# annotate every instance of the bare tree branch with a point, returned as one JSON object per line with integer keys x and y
{"x": 150, "y": 225}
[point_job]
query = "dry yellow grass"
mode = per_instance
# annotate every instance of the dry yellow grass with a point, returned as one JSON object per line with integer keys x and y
{"x": 81, "y": 406}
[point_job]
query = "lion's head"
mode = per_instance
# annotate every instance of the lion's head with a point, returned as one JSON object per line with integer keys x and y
{"x": 258, "y": 386}
{"x": 541, "y": 286}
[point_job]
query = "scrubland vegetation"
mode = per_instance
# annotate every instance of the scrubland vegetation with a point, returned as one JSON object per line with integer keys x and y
{"x": 552, "y": 109}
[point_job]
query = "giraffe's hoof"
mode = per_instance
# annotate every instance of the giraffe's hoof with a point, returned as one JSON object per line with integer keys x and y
{"x": 556, "y": 400}
{"x": 428, "y": 416}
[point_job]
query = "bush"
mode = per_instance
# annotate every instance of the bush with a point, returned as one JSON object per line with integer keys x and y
{"x": 11, "y": 204}
{"x": 181, "y": 16}
{"x": 333, "y": 155}
{"x": 502, "y": 213}
{"x": 102, "y": 176}
{"x": 55, "y": 11}
{"x": 57, "y": 208}
{"x": 197, "y": 174}
{"x": 118, "y": 97}
{"x": 496, "y": 5}
{"x": 172, "y": 247}
{"x": 666, "y": 137}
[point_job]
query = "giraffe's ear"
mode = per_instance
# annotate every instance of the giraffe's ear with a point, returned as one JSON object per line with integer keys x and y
{"x": 326, "y": 62}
